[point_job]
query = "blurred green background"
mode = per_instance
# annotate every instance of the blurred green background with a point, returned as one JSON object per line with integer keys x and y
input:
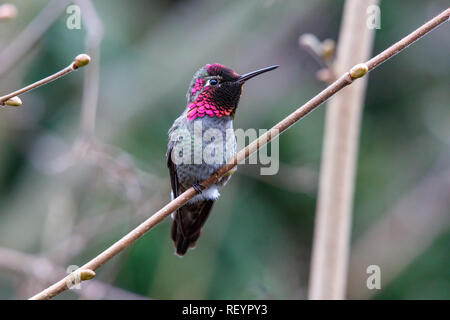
{"x": 257, "y": 242}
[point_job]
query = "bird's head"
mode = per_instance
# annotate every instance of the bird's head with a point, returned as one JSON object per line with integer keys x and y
{"x": 215, "y": 90}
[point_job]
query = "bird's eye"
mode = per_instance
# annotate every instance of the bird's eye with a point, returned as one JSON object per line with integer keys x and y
{"x": 213, "y": 82}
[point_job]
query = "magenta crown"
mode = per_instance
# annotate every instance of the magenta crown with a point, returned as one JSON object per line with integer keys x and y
{"x": 211, "y": 102}
{"x": 216, "y": 89}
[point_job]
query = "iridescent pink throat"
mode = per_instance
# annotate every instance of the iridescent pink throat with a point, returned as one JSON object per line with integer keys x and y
{"x": 205, "y": 104}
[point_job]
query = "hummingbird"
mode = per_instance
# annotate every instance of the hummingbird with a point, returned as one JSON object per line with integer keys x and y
{"x": 212, "y": 100}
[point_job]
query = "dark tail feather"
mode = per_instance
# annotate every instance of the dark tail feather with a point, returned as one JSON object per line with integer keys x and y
{"x": 188, "y": 223}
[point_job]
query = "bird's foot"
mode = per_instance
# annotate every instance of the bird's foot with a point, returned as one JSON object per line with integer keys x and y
{"x": 198, "y": 187}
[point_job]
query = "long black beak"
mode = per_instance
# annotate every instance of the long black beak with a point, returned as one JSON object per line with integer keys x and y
{"x": 252, "y": 74}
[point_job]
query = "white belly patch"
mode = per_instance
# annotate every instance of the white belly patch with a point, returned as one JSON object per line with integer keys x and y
{"x": 212, "y": 193}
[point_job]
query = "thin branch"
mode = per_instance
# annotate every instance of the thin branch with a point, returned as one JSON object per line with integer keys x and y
{"x": 43, "y": 271}
{"x": 287, "y": 122}
{"x": 331, "y": 244}
{"x": 79, "y": 61}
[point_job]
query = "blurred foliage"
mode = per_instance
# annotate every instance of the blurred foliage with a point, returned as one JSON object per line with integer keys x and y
{"x": 257, "y": 242}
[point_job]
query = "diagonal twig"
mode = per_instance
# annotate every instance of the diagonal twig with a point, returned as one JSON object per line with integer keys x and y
{"x": 44, "y": 271}
{"x": 345, "y": 80}
{"x": 79, "y": 61}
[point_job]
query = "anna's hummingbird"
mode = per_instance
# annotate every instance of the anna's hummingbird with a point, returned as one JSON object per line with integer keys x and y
{"x": 212, "y": 99}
